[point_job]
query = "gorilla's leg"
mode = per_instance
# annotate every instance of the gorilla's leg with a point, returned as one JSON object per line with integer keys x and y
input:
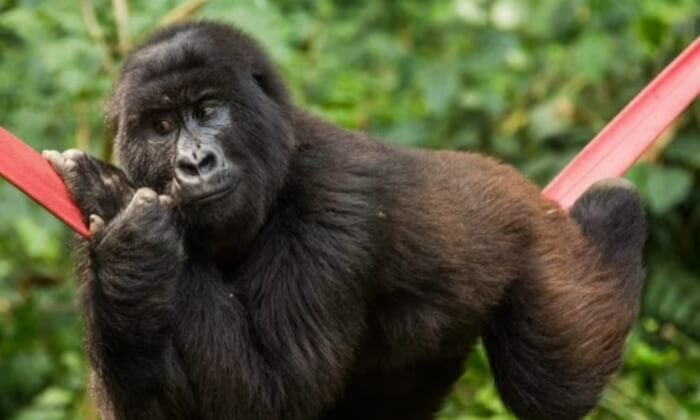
{"x": 555, "y": 343}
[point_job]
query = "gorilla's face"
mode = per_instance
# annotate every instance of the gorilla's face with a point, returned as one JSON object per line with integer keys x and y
{"x": 183, "y": 137}
{"x": 203, "y": 117}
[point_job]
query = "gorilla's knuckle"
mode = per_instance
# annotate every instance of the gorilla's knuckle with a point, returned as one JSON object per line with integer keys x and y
{"x": 145, "y": 196}
{"x": 70, "y": 165}
{"x": 74, "y": 154}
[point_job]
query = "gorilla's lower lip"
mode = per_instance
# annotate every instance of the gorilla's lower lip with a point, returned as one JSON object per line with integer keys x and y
{"x": 200, "y": 194}
{"x": 211, "y": 196}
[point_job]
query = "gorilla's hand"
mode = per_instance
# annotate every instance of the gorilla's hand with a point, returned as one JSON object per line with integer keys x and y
{"x": 148, "y": 224}
{"x": 98, "y": 188}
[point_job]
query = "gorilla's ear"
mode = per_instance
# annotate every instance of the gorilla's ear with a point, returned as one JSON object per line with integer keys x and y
{"x": 266, "y": 77}
{"x": 264, "y": 84}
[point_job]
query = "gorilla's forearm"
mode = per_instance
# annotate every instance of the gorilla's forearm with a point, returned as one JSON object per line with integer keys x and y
{"x": 133, "y": 303}
{"x": 150, "y": 389}
{"x": 130, "y": 307}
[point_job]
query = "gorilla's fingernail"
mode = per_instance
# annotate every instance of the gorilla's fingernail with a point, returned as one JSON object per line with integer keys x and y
{"x": 54, "y": 158}
{"x": 51, "y": 155}
{"x": 96, "y": 224}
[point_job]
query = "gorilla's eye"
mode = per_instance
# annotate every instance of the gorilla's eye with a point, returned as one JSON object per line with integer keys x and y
{"x": 203, "y": 112}
{"x": 163, "y": 126}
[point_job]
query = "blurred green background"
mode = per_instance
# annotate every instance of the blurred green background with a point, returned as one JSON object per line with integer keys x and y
{"x": 528, "y": 81}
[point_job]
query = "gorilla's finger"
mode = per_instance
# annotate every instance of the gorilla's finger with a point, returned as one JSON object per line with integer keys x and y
{"x": 173, "y": 191}
{"x": 69, "y": 165}
{"x": 60, "y": 162}
{"x": 74, "y": 154}
{"x": 146, "y": 195}
{"x": 55, "y": 158}
{"x": 97, "y": 225}
{"x": 142, "y": 198}
{"x": 165, "y": 200}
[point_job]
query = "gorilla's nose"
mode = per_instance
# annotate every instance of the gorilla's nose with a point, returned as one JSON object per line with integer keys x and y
{"x": 195, "y": 166}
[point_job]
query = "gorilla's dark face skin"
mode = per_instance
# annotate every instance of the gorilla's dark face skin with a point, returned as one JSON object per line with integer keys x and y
{"x": 206, "y": 122}
{"x": 250, "y": 261}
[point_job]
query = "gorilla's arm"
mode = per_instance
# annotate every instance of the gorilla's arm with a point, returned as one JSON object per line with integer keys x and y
{"x": 129, "y": 269}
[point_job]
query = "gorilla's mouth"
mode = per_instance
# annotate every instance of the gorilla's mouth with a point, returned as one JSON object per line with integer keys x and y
{"x": 202, "y": 193}
{"x": 212, "y": 196}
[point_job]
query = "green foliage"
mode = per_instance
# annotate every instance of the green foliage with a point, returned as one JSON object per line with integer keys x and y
{"x": 530, "y": 82}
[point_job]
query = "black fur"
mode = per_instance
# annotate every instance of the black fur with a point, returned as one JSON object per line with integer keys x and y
{"x": 337, "y": 277}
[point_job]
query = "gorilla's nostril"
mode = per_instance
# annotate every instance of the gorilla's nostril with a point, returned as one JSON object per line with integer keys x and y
{"x": 207, "y": 163}
{"x": 196, "y": 165}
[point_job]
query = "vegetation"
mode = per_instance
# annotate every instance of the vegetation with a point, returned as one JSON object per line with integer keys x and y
{"x": 528, "y": 81}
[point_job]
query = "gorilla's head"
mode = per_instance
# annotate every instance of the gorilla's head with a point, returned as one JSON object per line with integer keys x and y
{"x": 200, "y": 113}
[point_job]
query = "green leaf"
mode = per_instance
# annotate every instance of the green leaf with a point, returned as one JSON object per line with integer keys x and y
{"x": 667, "y": 187}
{"x": 685, "y": 149}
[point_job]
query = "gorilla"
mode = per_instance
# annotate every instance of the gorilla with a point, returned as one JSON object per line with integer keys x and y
{"x": 251, "y": 261}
